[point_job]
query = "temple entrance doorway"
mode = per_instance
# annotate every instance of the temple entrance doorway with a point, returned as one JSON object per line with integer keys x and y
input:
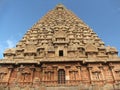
{"x": 61, "y": 76}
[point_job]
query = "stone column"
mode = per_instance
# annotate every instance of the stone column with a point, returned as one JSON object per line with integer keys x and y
{"x": 49, "y": 76}
{"x": 32, "y": 75}
{"x": 79, "y": 72}
{"x": 90, "y": 73}
{"x": 55, "y": 73}
{"x": 103, "y": 77}
{"x": 67, "y": 76}
{"x": 10, "y": 72}
{"x": 113, "y": 74}
{"x": 43, "y": 74}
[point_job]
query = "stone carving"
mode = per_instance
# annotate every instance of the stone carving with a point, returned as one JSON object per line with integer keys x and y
{"x": 30, "y": 48}
{"x": 3, "y": 73}
{"x": 73, "y": 73}
{"x": 84, "y": 75}
{"x": 96, "y": 75}
{"x": 91, "y": 48}
{"x": 60, "y": 48}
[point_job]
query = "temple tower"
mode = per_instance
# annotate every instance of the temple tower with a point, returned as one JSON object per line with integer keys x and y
{"x": 60, "y": 50}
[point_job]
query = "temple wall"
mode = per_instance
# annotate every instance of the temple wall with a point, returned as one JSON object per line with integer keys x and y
{"x": 48, "y": 74}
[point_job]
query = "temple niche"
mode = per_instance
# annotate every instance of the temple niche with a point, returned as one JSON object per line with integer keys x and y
{"x": 60, "y": 51}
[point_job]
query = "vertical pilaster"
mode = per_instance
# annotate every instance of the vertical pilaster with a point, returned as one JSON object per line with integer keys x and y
{"x": 113, "y": 74}
{"x": 55, "y": 73}
{"x": 79, "y": 73}
{"x": 90, "y": 73}
{"x": 43, "y": 74}
{"x": 67, "y": 76}
{"x": 33, "y": 71}
{"x": 10, "y": 72}
{"x": 102, "y": 75}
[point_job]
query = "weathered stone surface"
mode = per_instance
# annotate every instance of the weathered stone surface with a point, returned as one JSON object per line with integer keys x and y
{"x": 109, "y": 87}
{"x": 1, "y": 88}
{"x": 60, "y": 50}
{"x": 63, "y": 88}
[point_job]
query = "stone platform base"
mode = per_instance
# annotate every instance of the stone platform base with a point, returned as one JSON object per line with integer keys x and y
{"x": 80, "y": 87}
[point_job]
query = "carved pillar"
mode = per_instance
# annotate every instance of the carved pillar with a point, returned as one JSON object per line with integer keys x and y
{"x": 43, "y": 72}
{"x": 33, "y": 69}
{"x": 90, "y": 73}
{"x": 67, "y": 76}
{"x": 10, "y": 71}
{"x": 49, "y": 76}
{"x": 101, "y": 70}
{"x": 67, "y": 73}
{"x": 113, "y": 74}
{"x": 55, "y": 73}
{"x": 79, "y": 72}
{"x": 19, "y": 75}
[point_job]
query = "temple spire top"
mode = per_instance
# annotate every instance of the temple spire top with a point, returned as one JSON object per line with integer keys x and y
{"x": 60, "y": 6}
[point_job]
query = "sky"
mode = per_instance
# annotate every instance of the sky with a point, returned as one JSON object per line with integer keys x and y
{"x": 17, "y": 16}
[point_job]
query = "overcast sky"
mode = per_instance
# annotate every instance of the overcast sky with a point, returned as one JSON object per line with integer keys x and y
{"x": 17, "y": 16}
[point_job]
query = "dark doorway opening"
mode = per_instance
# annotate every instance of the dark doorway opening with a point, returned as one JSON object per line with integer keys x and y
{"x": 61, "y": 76}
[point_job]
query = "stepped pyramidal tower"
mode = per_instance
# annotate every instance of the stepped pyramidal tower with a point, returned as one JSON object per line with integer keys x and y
{"x": 60, "y": 50}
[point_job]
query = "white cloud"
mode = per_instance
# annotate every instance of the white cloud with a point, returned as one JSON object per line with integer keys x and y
{"x": 10, "y": 43}
{"x": 2, "y": 48}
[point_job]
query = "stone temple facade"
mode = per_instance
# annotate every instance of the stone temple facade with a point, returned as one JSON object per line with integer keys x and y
{"x": 60, "y": 52}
